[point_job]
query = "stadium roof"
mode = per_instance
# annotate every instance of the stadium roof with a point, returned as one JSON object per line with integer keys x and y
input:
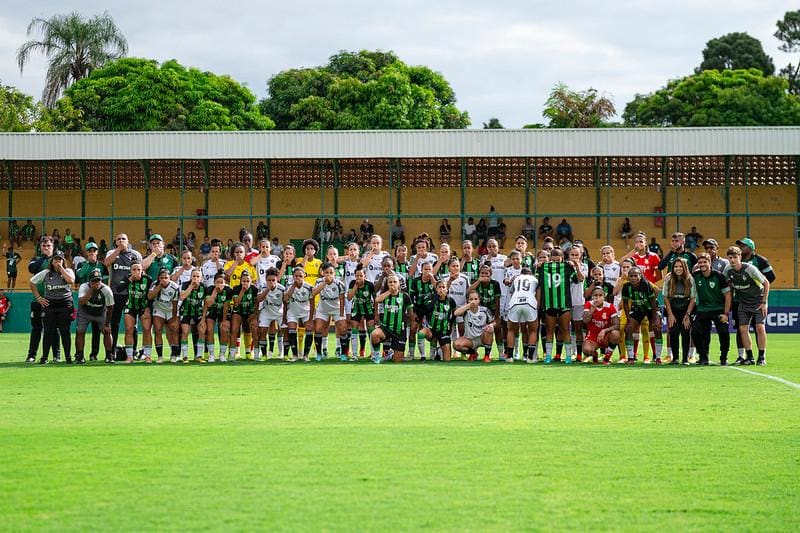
{"x": 402, "y": 143}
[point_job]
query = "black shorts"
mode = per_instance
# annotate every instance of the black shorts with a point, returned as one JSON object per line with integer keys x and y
{"x": 422, "y": 312}
{"x": 556, "y": 312}
{"x": 640, "y": 314}
{"x": 135, "y": 313}
{"x": 214, "y": 316}
{"x": 360, "y": 317}
{"x": 443, "y": 339}
{"x": 191, "y": 320}
{"x": 397, "y": 341}
{"x": 11, "y": 275}
{"x": 245, "y": 320}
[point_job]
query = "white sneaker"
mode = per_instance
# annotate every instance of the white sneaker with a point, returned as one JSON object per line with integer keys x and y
{"x": 223, "y": 359}
{"x": 173, "y": 359}
{"x": 256, "y": 358}
{"x": 211, "y": 359}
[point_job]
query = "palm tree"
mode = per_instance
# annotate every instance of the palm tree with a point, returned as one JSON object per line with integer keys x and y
{"x": 577, "y": 109}
{"x": 74, "y": 46}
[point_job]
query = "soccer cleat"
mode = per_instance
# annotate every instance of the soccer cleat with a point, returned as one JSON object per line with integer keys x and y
{"x": 361, "y": 354}
{"x": 30, "y": 359}
{"x": 631, "y": 361}
{"x": 109, "y": 360}
{"x": 762, "y": 361}
{"x": 723, "y": 361}
{"x": 702, "y": 362}
{"x": 646, "y": 360}
{"x": 740, "y": 361}
{"x": 338, "y": 351}
{"x": 622, "y": 361}
{"x": 318, "y": 357}
{"x": 173, "y": 359}
{"x": 579, "y": 358}
{"x": 568, "y": 360}
{"x": 80, "y": 360}
{"x": 159, "y": 360}
{"x": 199, "y": 360}
{"x": 685, "y": 362}
{"x": 212, "y": 359}
{"x": 56, "y": 359}
{"x": 547, "y": 359}
{"x": 422, "y": 358}
{"x": 42, "y": 361}
{"x": 185, "y": 360}
{"x": 674, "y": 362}
{"x": 376, "y": 358}
{"x": 557, "y": 359}
{"x": 749, "y": 362}
{"x": 606, "y": 362}
{"x": 658, "y": 361}
{"x": 223, "y": 359}
{"x": 92, "y": 358}
{"x": 343, "y": 357}
{"x": 473, "y": 357}
{"x": 530, "y": 360}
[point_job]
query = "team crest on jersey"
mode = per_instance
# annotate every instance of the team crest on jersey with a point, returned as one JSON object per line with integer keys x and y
{"x": 712, "y": 284}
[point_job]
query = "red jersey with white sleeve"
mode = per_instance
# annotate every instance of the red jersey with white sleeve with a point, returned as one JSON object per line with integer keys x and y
{"x": 4, "y": 305}
{"x": 649, "y": 265}
{"x": 601, "y": 319}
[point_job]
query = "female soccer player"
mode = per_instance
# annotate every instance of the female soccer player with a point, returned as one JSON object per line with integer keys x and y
{"x": 216, "y": 315}
{"x": 192, "y": 297}
{"x": 361, "y": 294}
{"x": 521, "y": 246}
{"x": 497, "y": 261}
{"x": 244, "y": 308}
{"x": 138, "y": 309}
{"x": 602, "y": 322}
{"x": 331, "y": 294}
{"x": 164, "y": 294}
{"x": 479, "y": 329}
{"x": 401, "y": 265}
{"x": 523, "y": 314}
{"x": 555, "y": 278}
{"x": 270, "y": 316}
{"x": 470, "y": 264}
{"x": 457, "y": 288}
{"x": 578, "y": 298}
{"x": 639, "y": 302}
{"x": 183, "y": 272}
{"x": 422, "y": 256}
{"x": 421, "y": 290}
{"x": 440, "y": 268}
{"x": 442, "y": 318}
{"x": 394, "y": 317}
{"x": 488, "y": 290}
{"x": 297, "y": 302}
{"x": 373, "y": 259}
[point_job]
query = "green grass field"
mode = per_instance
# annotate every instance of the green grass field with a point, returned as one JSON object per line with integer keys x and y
{"x": 459, "y": 446}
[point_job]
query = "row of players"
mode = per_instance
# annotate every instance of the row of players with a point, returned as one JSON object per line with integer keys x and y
{"x": 285, "y": 301}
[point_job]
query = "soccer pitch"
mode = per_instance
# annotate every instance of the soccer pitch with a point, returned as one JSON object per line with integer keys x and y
{"x": 358, "y": 446}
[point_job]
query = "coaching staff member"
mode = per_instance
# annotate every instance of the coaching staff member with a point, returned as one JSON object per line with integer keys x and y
{"x": 118, "y": 261}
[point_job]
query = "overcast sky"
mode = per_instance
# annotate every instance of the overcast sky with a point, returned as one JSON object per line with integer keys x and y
{"x": 501, "y": 57}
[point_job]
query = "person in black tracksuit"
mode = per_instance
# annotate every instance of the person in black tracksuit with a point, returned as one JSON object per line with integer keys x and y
{"x": 57, "y": 304}
{"x": 36, "y": 265}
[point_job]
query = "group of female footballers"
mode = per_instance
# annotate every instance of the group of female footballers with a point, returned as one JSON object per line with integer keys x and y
{"x": 389, "y": 306}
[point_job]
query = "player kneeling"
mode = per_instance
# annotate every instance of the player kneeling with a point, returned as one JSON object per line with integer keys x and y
{"x": 522, "y": 312}
{"x": 478, "y": 329}
{"x": 602, "y": 321}
{"x": 442, "y": 319}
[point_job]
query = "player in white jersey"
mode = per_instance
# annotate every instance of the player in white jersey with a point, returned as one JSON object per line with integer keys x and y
{"x": 350, "y": 262}
{"x": 422, "y": 256}
{"x": 498, "y": 263}
{"x": 611, "y": 268}
{"x": 212, "y": 266}
{"x": 331, "y": 293}
{"x": 578, "y": 300}
{"x": 298, "y": 311}
{"x": 183, "y": 272}
{"x": 373, "y": 259}
{"x": 270, "y": 315}
{"x": 522, "y": 311}
{"x": 478, "y": 329}
{"x": 165, "y": 293}
{"x": 263, "y": 262}
{"x": 513, "y": 269}
{"x": 457, "y": 289}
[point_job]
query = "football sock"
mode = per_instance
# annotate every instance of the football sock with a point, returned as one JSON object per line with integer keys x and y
{"x": 210, "y": 349}
{"x": 147, "y": 350}
{"x": 421, "y": 343}
{"x": 344, "y": 343}
{"x": 174, "y": 349}
{"x": 262, "y": 346}
{"x": 531, "y": 351}
{"x": 318, "y": 343}
{"x": 128, "y": 351}
{"x": 271, "y": 337}
{"x": 636, "y": 338}
{"x": 362, "y": 339}
{"x": 762, "y": 354}
{"x": 509, "y": 352}
{"x": 630, "y": 345}
{"x": 185, "y": 348}
{"x": 160, "y": 350}
{"x": 548, "y": 348}
{"x": 656, "y": 344}
{"x": 292, "y": 343}
{"x": 559, "y": 348}
{"x": 309, "y": 339}
{"x": 749, "y": 353}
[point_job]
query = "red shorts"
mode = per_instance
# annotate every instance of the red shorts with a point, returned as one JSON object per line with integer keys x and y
{"x": 593, "y": 338}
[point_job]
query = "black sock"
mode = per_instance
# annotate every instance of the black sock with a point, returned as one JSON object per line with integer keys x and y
{"x": 292, "y": 343}
{"x": 307, "y": 343}
{"x": 761, "y": 354}
{"x": 530, "y": 351}
{"x": 160, "y": 350}
{"x": 262, "y": 345}
{"x": 362, "y": 339}
{"x": 509, "y": 351}
{"x": 559, "y": 348}
{"x": 318, "y": 343}
{"x": 174, "y": 350}
{"x": 749, "y": 353}
{"x": 271, "y": 337}
{"x": 344, "y": 342}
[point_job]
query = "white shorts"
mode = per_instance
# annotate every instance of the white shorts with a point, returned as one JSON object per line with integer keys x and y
{"x": 291, "y": 317}
{"x": 268, "y": 315}
{"x": 328, "y": 315}
{"x": 348, "y": 307}
{"x": 577, "y": 313}
{"x": 522, "y": 313}
{"x": 161, "y": 313}
{"x": 476, "y": 342}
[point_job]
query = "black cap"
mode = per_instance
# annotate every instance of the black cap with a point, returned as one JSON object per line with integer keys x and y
{"x": 58, "y": 254}
{"x": 95, "y": 275}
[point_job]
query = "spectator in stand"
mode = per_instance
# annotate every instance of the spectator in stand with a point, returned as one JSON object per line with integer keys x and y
{"x": 366, "y": 231}
{"x": 102, "y": 249}
{"x": 469, "y": 231}
{"x": 492, "y": 221}
{"x": 444, "y": 231}
{"x": 69, "y": 240}
{"x": 12, "y": 260}
{"x": 546, "y": 230}
{"x": 191, "y": 240}
{"x": 482, "y": 231}
{"x": 564, "y": 231}
{"x": 28, "y": 231}
{"x": 693, "y": 239}
{"x": 655, "y": 248}
{"x": 501, "y": 233}
{"x": 205, "y": 248}
{"x": 262, "y": 231}
{"x": 56, "y": 239}
{"x": 326, "y": 231}
{"x": 338, "y": 230}
{"x": 626, "y": 232}
{"x": 398, "y": 233}
{"x": 718, "y": 263}
{"x": 528, "y": 229}
{"x": 352, "y": 236}
{"x": 178, "y": 241}
{"x": 14, "y": 233}
{"x": 277, "y": 249}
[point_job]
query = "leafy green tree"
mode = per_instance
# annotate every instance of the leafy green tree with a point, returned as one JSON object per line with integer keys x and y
{"x": 736, "y": 51}
{"x": 18, "y": 111}
{"x": 362, "y": 90}
{"x": 493, "y": 124}
{"x": 74, "y": 47}
{"x": 133, "y": 94}
{"x": 577, "y": 109}
{"x": 714, "y": 98}
{"x": 789, "y": 34}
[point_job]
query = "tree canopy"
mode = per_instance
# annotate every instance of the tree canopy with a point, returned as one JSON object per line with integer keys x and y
{"x": 714, "y": 98}
{"x": 567, "y": 108}
{"x": 362, "y": 90}
{"x": 18, "y": 111}
{"x": 493, "y": 124}
{"x": 74, "y": 47}
{"x": 736, "y": 51}
{"x": 789, "y": 35}
{"x": 134, "y": 94}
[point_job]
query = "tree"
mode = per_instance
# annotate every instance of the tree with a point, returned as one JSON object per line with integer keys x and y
{"x": 362, "y": 90}
{"x": 735, "y": 51}
{"x": 714, "y": 98}
{"x": 74, "y": 46}
{"x": 18, "y": 111}
{"x": 133, "y": 94}
{"x": 577, "y": 109}
{"x": 789, "y": 34}
{"x": 494, "y": 124}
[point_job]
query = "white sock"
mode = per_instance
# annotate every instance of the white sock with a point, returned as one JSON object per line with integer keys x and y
{"x": 210, "y": 348}
{"x": 548, "y": 348}
{"x": 147, "y": 350}
{"x": 199, "y": 348}
{"x": 421, "y": 345}
{"x": 129, "y": 352}
{"x": 184, "y": 350}
{"x": 741, "y": 353}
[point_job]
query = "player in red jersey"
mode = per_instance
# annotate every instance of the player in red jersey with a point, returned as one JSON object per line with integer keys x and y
{"x": 602, "y": 320}
{"x": 646, "y": 260}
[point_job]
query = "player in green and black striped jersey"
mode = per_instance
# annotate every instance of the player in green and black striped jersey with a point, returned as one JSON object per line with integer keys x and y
{"x": 362, "y": 316}
{"x": 243, "y": 315}
{"x": 528, "y": 260}
{"x": 440, "y": 269}
{"x": 215, "y": 315}
{"x": 470, "y": 265}
{"x": 554, "y": 296}
{"x": 394, "y": 317}
{"x": 441, "y": 321}
{"x": 137, "y": 309}
{"x": 401, "y": 260}
{"x": 639, "y": 302}
{"x": 422, "y": 292}
{"x": 489, "y": 292}
{"x": 193, "y": 295}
